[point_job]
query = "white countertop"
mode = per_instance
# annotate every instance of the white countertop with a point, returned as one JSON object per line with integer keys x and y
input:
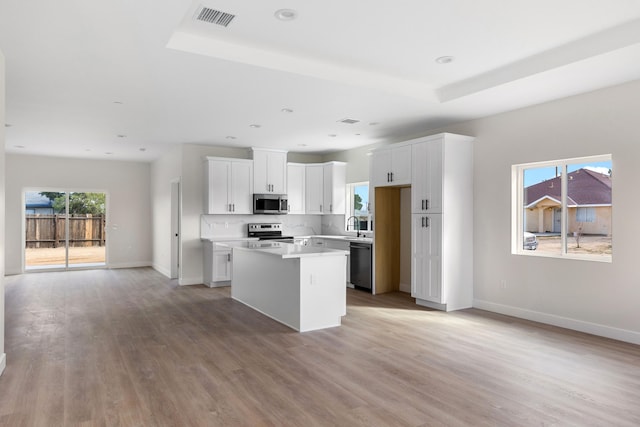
{"x": 338, "y": 237}
{"x": 281, "y": 249}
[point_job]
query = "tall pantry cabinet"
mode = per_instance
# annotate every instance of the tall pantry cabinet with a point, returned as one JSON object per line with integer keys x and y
{"x": 442, "y": 222}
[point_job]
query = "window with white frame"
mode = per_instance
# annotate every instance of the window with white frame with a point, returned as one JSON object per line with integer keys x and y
{"x": 563, "y": 208}
{"x": 358, "y": 217}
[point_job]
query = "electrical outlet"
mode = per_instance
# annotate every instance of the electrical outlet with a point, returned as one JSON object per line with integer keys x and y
{"x": 503, "y": 284}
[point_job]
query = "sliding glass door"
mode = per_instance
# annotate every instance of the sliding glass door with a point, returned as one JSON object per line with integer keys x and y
{"x": 64, "y": 230}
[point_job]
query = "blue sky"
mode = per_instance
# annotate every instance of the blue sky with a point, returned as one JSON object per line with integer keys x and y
{"x": 363, "y": 191}
{"x": 536, "y": 175}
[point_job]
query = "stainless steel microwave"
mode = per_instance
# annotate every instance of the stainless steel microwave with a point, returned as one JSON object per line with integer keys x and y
{"x": 270, "y": 204}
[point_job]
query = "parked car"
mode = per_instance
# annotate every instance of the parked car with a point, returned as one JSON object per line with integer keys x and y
{"x": 530, "y": 241}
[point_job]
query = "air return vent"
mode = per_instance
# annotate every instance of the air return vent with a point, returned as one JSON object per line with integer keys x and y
{"x": 213, "y": 16}
{"x": 349, "y": 121}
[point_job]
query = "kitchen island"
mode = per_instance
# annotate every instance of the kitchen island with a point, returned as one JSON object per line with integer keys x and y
{"x": 300, "y": 286}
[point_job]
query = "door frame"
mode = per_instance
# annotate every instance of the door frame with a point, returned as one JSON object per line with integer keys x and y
{"x": 176, "y": 229}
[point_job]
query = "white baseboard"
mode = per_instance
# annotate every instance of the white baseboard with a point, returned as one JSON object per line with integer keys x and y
{"x": 3, "y": 362}
{"x": 405, "y": 287}
{"x": 130, "y": 264}
{"x": 625, "y": 335}
{"x": 165, "y": 272}
{"x": 186, "y": 281}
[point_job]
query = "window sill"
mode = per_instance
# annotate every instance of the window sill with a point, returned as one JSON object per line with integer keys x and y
{"x": 577, "y": 257}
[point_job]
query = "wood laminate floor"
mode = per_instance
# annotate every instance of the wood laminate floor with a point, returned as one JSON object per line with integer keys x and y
{"x": 131, "y": 348}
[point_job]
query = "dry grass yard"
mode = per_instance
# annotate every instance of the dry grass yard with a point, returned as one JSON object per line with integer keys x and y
{"x": 35, "y": 257}
{"x": 588, "y": 244}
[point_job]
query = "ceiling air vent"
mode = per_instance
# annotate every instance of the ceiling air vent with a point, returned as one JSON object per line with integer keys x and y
{"x": 213, "y": 16}
{"x": 349, "y": 121}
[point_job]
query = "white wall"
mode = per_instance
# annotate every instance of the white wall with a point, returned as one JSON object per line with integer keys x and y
{"x": 3, "y": 358}
{"x": 128, "y": 209}
{"x": 595, "y": 297}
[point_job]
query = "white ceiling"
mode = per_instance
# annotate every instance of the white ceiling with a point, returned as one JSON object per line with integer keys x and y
{"x": 86, "y": 78}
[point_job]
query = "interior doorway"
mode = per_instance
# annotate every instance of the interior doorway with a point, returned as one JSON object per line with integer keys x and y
{"x": 64, "y": 229}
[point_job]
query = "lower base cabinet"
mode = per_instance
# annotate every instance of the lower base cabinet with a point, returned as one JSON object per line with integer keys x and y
{"x": 217, "y": 265}
{"x": 426, "y": 265}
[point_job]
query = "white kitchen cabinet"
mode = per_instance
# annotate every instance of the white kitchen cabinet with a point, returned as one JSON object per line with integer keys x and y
{"x": 326, "y": 188}
{"x": 269, "y": 171}
{"x": 426, "y": 263}
{"x": 426, "y": 192}
{"x": 334, "y": 188}
{"x": 442, "y": 232}
{"x": 296, "y": 173}
{"x": 217, "y": 265}
{"x": 343, "y": 245}
{"x": 314, "y": 189}
{"x": 228, "y": 186}
{"x": 391, "y": 166}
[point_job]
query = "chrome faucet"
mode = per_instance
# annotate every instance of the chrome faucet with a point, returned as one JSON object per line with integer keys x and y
{"x": 356, "y": 224}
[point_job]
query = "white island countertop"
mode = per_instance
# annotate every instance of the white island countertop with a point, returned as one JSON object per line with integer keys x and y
{"x": 282, "y": 249}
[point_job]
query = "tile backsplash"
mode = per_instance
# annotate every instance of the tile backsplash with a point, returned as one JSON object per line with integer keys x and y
{"x": 233, "y": 226}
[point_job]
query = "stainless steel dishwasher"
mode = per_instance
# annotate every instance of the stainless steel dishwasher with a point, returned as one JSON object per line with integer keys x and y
{"x": 361, "y": 265}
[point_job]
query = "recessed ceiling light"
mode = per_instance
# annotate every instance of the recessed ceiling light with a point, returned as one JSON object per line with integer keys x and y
{"x": 302, "y": 145}
{"x": 121, "y": 136}
{"x": 286, "y": 14}
{"x": 118, "y": 102}
{"x": 230, "y": 137}
{"x": 19, "y": 146}
{"x": 332, "y": 135}
{"x": 445, "y": 59}
{"x": 287, "y": 110}
{"x": 374, "y": 123}
{"x": 8, "y": 125}
{"x": 88, "y": 149}
{"x": 108, "y": 152}
{"x": 254, "y": 126}
{"x": 142, "y": 149}
{"x": 349, "y": 121}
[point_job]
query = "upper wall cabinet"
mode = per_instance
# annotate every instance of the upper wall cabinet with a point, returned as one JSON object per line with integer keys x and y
{"x": 314, "y": 189}
{"x": 228, "y": 186}
{"x": 335, "y": 187}
{"x": 296, "y": 173}
{"x": 391, "y": 166}
{"x": 269, "y": 171}
{"x": 325, "y": 188}
{"x": 441, "y": 169}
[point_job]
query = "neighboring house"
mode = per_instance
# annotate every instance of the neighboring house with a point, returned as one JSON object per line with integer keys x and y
{"x": 588, "y": 200}
{"x": 36, "y": 203}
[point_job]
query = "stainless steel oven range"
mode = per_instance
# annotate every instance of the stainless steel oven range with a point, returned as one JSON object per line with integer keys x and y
{"x": 268, "y": 231}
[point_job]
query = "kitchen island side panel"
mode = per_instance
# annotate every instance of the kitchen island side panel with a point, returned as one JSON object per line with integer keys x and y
{"x": 267, "y": 284}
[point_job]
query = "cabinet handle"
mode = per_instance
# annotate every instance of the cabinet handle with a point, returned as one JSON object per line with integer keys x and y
{"x": 422, "y": 204}
{"x": 427, "y": 218}
{"x": 320, "y": 208}
{"x": 427, "y": 203}
{"x": 422, "y": 222}
{"x": 229, "y": 257}
{"x": 233, "y": 206}
{"x": 391, "y": 176}
{"x": 229, "y": 207}
{"x": 330, "y": 208}
{"x": 388, "y": 176}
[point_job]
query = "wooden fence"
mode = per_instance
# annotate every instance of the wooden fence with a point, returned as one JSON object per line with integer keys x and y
{"x": 48, "y": 231}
